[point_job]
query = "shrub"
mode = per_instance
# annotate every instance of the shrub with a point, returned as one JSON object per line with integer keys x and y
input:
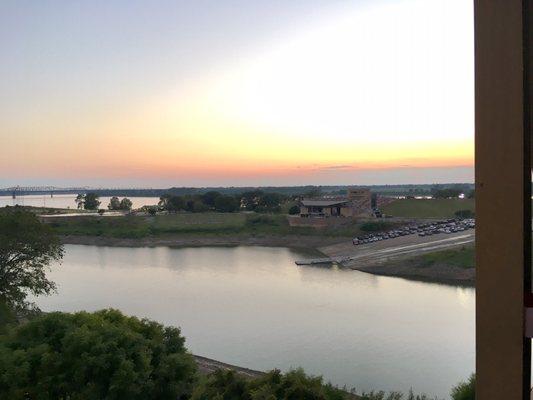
{"x": 294, "y": 210}
{"x": 102, "y": 355}
{"x": 465, "y": 390}
{"x": 295, "y": 384}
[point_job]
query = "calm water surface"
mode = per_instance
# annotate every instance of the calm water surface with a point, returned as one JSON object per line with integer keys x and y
{"x": 67, "y": 201}
{"x": 253, "y": 307}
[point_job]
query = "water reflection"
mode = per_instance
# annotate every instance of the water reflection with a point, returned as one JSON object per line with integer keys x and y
{"x": 254, "y": 307}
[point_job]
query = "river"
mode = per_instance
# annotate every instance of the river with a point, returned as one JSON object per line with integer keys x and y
{"x": 253, "y": 307}
{"x": 67, "y": 201}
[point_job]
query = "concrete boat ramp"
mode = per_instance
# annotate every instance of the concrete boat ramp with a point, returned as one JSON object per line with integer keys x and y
{"x": 326, "y": 260}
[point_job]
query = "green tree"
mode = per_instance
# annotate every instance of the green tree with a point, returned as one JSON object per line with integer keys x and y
{"x": 171, "y": 203}
{"x": 27, "y": 248}
{"x": 102, "y": 355}
{"x": 80, "y": 200}
{"x": 91, "y": 201}
{"x": 210, "y": 197}
{"x": 114, "y": 203}
{"x": 227, "y": 385}
{"x": 250, "y": 199}
{"x": 199, "y": 206}
{"x": 465, "y": 390}
{"x": 226, "y": 204}
{"x": 125, "y": 204}
{"x": 270, "y": 202}
{"x": 294, "y": 210}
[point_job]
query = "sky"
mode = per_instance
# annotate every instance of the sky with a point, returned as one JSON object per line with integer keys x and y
{"x": 160, "y": 93}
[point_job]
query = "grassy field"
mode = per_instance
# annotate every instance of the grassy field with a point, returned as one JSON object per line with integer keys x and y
{"x": 434, "y": 208}
{"x": 200, "y": 224}
{"x": 463, "y": 257}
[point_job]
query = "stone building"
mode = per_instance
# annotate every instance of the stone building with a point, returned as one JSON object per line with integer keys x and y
{"x": 357, "y": 203}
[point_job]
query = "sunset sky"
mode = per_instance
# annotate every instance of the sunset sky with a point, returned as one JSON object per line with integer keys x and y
{"x": 240, "y": 92}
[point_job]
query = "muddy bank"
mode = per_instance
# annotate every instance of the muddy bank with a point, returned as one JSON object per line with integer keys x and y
{"x": 207, "y": 366}
{"x": 404, "y": 268}
{"x": 311, "y": 243}
{"x": 438, "y": 273}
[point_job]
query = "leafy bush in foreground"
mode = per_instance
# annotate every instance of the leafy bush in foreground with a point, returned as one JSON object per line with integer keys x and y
{"x": 227, "y": 385}
{"x": 465, "y": 390}
{"x": 103, "y": 355}
{"x": 393, "y": 396}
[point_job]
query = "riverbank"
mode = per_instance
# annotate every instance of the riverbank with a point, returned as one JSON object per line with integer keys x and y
{"x": 453, "y": 266}
{"x": 308, "y": 243}
{"x": 207, "y": 366}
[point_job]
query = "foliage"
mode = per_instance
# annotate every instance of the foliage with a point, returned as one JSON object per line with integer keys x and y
{"x": 80, "y": 200}
{"x": 91, "y": 201}
{"x": 250, "y": 199}
{"x": 102, "y": 355}
{"x": 464, "y": 214}
{"x": 114, "y": 203}
{"x": 171, "y": 203}
{"x": 393, "y": 396}
{"x": 227, "y": 385}
{"x": 209, "y": 198}
{"x": 226, "y": 204}
{"x": 294, "y": 210}
{"x": 125, "y": 204}
{"x": 27, "y": 248}
{"x": 448, "y": 193}
{"x": 269, "y": 202}
{"x": 465, "y": 390}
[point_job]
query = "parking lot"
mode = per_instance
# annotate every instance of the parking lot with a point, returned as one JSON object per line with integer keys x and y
{"x": 446, "y": 227}
{"x": 405, "y": 241}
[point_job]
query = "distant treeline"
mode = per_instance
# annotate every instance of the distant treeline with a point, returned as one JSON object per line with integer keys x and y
{"x": 255, "y": 200}
{"x": 391, "y": 190}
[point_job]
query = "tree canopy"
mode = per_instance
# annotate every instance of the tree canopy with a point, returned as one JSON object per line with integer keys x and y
{"x": 27, "y": 248}
{"x": 88, "y": 201}
{"x": 102, "y": 355}
{"x": 114, "y": 203}
{"x": 227, "y": 385}
{"x": 91, "y": 201}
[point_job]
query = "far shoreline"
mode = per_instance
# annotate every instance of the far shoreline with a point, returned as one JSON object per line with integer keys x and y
{"x": 399, "y": 268}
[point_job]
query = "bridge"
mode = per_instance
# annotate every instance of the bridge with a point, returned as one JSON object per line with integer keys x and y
{"x": 15, "y": 191}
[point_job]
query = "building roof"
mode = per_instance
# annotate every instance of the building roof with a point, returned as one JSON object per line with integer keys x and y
{"x": 323, "y": 203}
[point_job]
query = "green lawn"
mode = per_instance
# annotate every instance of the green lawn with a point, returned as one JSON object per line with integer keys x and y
{"x": 209, "y": 223}
{"x": 463, "y": 257}
{"x": 428, "y": 208}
